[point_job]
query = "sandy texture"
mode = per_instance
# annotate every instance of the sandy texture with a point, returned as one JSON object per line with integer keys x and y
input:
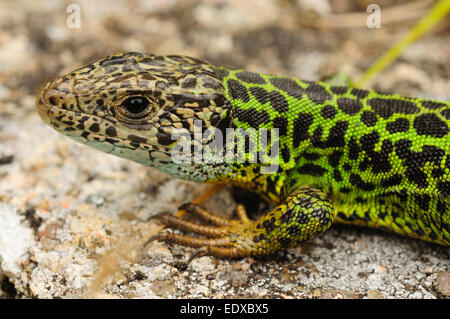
{"x": 76, "y": 217}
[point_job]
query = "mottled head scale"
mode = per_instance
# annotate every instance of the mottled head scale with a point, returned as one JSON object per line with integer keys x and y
{"x": 139, "y": 100}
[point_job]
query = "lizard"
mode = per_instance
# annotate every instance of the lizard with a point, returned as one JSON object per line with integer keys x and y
{"x": 344, "y": 154}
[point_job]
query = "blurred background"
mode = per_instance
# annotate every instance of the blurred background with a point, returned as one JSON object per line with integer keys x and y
{"x": 73, "y": 196}
{"x": 309, "y": 39}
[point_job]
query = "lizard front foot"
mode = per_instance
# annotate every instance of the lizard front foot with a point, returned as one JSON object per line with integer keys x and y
{"x": 304, "y": 214}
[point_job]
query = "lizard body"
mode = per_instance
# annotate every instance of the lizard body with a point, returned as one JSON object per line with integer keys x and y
{"x": 345, "y": 155}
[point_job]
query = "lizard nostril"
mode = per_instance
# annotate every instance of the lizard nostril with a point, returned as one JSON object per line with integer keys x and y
{"x": 53, "y": 100}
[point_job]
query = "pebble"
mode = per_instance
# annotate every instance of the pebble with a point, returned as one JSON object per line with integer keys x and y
{"x": 338, "y": 294}
{"x": 237, "y": 278}
{"x": 442, "y": 283}
{"x": 203, "y": 264}
{"x": 162, "y": 287}
{"x": 374, "y": 294}
{"x": 95, "y": 199}
{"x": 15, "y": 239}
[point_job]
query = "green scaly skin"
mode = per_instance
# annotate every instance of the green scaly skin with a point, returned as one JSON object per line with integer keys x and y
{"x": 347, "y": 155}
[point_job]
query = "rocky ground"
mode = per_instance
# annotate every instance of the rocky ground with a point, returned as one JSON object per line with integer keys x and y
{"x": 73, "y": 220}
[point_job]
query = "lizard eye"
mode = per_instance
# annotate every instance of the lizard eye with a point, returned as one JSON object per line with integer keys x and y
{"x": 135, "y": 107}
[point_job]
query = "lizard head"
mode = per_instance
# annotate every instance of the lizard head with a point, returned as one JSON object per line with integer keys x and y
{"x": 129, "y": 104}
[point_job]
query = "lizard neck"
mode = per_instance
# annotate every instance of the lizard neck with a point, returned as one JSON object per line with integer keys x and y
{"x": 262, "y": 107}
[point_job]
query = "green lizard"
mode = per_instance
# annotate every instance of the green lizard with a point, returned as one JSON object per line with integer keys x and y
{"x": 346, "y": 155}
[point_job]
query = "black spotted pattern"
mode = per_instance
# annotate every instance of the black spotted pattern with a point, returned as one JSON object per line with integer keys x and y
{"x": 111, "y": 131}
{"x": 221, "y": 73}
{"x": 358, "y": 182}
{"x": 444, "y": 188}
{"x": 317, "y": 93}
{"x": 334, "y": 158}
{"x": 392, "y": 181}
{"x": 399, "y": 125}
{"x": 277, "y": 100}
{"x": 286, "y": 154}
{"x": 353, "y": 149}
{"x": 288, "y": 85}
{"x": 432, "y": 105}
{"x": 431, "y": 125}
{"x": 238, "y": 91}
{"x": 339, "y": 90}
{"x": 164, "y": 139}
{"x": 312, "y": 169}
{"x": 379, "y": 161}
{"x": 252, "y": 116}
{"x": 328, "y": 112}
{"x": 349, "y": 106}
{"x": 336, "y": 136}
{"x": 446, "y": 113}
{"x": 360, "y": 93}
{"x": 250, "y": 77}
{"x": 369, "y": 118}
{"x": 301, "y": 127}
{"x": 414, "y": 161}
{"x": 260, "y": 94}
{"x": 94, "y": 127}
{"x": 282, "y": 124}
{"x": 387, "y": 107}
